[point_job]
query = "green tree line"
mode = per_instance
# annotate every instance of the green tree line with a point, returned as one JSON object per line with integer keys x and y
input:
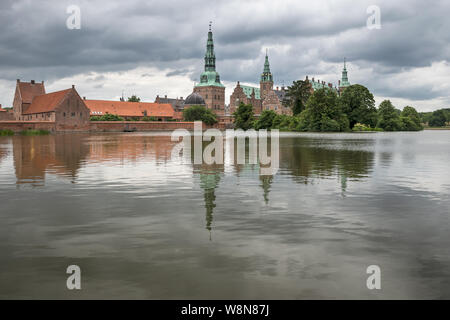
{"x": 438, "y": 118}
{"x": 325, "y": 111}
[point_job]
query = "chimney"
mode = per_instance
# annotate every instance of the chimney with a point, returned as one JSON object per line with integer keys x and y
{"x": 282, "y": 88}
{"x": 18, "y": 80}
{"x": 42, "y": 81}
{"x": 181, "y": 98}
{"x": 312, "y": 79}
{"x": 32, "y": 81}
{"x": 73, "y": 86}
{"x": 339, "y": 82}
{"x": 306, "y": 78}
{"x": 277, "y": 88}
{"x": 165, "y": 96}
{"x": 84, "y": 98}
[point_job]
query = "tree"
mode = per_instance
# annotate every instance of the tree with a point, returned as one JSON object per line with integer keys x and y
{"x": 410, "y": 119}
{"x": 243, "y": 116}
{"x": 297, "y": 95}
{"x": 359, "y": 105}
{"x": 438, "y": 118}
{"x": 323, "y": 113}
{"x": 199, "y": 113}
{"x": 388, "y": 118}
{"x": 134, "y": 98}
{"x": 265, "y": 120}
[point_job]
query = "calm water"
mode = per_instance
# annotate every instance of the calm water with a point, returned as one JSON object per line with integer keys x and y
{"x": 140, "y": 224}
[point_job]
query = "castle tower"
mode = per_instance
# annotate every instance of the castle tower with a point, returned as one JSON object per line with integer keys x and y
{"x": 210, "y": 88}
{"x": 344, "y": 80}
{"x": 266, "y": 83}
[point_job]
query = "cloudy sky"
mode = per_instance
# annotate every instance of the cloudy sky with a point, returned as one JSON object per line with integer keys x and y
{"x": 147, "y": 47}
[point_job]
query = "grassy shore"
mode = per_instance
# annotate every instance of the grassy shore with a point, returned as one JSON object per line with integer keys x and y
{"x": 6, "y": 132}
{"x": 437, "y": 128}
{"x": 34, "y": 132}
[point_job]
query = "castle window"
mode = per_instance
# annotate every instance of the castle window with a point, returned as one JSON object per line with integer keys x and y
{"x": 73, "y": 114}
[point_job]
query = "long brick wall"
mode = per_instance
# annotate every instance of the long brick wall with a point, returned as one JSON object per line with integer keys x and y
{"x": 105, "y": 126}
{"x": 18, "y": 126}
{"x": 120, "y": 126}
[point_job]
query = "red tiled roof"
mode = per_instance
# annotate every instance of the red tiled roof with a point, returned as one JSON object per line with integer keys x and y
{"x": 30, "y": 90}
{"x": 129, "y": 109}
{"x": 46, "y": 102}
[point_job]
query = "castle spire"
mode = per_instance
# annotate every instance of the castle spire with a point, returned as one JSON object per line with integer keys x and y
{"x": 344, "y": 79}
{"x": 267, "y": 75}
{"x": 210, "y": 57}
{"x": 210, "y": 77}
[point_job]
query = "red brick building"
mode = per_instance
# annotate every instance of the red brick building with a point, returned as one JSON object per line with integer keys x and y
{"x": 131, "y": 110}
{"x": 65, "y": 108}
{"x": 25, "y": 92}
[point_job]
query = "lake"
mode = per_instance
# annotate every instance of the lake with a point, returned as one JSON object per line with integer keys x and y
{"x": 141, "y": 224}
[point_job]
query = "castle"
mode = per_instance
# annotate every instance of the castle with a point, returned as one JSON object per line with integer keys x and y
{"x": 262, "y": 98}
{"x": 210, "y": 92}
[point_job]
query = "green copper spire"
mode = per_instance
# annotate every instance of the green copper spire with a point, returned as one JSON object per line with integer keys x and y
{"x": 210, "y": 77}
{"x": 344, "y": 80}
{"x": 210, "y": 57}
{"x": 267, "y": 75}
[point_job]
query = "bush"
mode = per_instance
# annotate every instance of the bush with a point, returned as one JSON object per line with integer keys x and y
{"x": 199, "y": 113}
{"x": 34, "y": 132}
{"x": 149, "y": 119}
{"x": 107, "y": 117}
{"x": 329, "y": 125}
{"x": 359, "y": 127}
{"x": 6, "y": 132}
{"x": 133, "y": 119}
{"x": 265, "y": 121}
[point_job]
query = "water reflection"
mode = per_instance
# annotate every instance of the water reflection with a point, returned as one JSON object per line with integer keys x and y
{"x": 146, "y": 225}
{"x": 299, "y": 159}
{"x": 58, "y": 154}
{"x": 209, "y": 182}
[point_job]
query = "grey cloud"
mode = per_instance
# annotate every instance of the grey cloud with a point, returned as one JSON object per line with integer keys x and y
{"x": 171, "y": 35}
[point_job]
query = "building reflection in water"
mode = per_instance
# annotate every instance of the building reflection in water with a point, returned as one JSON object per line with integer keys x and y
{"x": 301, "y": 159}
{"x": 34, "y": 156}
{"x": 209, "y": 182}
{"x": 307, "y": 159}
{"x": 65, "y": 154}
